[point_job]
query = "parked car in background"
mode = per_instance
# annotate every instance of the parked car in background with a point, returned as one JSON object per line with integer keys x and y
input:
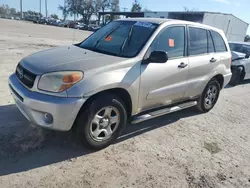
{"x": 72, "y": 24}
{"x": 64, "y": 23}
{"x": 97, "y": 28}
{"x": 44, "y": 21}
{"x": 93, "y": 27}
{"x": 129, "y": 71}
{"x": 240, "y": 62}
{"x": 241, "y": 47}
{"x": 54, "y": 22}
{"x": 81, "y": 26}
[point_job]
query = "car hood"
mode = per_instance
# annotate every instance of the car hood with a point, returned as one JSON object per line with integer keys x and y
{"x": 67, "y": 58}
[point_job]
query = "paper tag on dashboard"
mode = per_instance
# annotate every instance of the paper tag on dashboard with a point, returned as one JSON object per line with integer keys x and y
{"x": 171, "y": 42}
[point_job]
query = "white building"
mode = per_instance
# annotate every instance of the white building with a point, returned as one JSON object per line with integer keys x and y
{"x": 234, "y": 28}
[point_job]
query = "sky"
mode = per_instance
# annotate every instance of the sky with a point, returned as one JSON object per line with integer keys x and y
{"x": 239, "y": 8}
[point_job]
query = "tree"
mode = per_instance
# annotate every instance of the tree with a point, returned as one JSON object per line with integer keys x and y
{"x": 54, "y": 16}
{"x": 64, "y": 11}
{"x": 4, "y": 9}
{"x": 247, "y": 38}
{"x": 136, "y": 7}
{"x": 12, "y": 11}
{"x": 115, "y": 7}
{"x": 85, "y": 8}
{"x": 103, "y": 5}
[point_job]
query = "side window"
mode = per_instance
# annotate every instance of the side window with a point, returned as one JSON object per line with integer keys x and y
{"x": 197, "y": 41}
{"x": 210, "y": 43}
{"x": 172, "y": 41}
{"x": 219, "y": 43}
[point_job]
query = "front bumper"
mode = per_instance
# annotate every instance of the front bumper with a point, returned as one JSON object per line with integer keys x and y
{"x": 34, "y": 106}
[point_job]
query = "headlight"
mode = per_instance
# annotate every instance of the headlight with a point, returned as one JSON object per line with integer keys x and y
{"x": 59, "y": 81}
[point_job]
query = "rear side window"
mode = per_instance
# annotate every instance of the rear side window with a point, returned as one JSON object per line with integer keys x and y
{"x": 197, "y": 41}
{"x": 219, "y": 43}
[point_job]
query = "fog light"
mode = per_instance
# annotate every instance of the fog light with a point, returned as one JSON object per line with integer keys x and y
{"x": 48, "y": 118}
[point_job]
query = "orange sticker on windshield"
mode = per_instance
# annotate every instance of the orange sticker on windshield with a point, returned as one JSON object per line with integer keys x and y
{"x": 109, "y": 38}
{"x": 171, "y": 42}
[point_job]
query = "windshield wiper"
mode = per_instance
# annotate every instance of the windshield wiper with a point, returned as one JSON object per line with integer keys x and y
{"x": 130, "y": 34}
{"x": 127, "y": 39}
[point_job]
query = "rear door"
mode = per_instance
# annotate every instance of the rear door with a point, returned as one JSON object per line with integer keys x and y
{"x": 202, "y": 60}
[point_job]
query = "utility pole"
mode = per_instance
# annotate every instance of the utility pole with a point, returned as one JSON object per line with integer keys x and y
{"x": 40, "y": 9}
{"x": 21, "y": 8}
{"x": 46, "y": 8}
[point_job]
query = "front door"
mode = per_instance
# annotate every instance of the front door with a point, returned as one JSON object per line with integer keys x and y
{"x": 165, "y": 83}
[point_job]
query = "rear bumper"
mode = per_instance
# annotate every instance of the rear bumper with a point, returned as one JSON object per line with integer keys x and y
{"x": 227, "y": 79}
{"x": 34, "y": 106}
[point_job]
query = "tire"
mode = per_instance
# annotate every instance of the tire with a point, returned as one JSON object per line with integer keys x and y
{"x": 93, "y": 125}
{"x": 237, "y": 76}
{"x": 203, "y": 104}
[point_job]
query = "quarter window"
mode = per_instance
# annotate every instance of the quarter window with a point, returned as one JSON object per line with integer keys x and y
{"x": 198, "y": 43}
{"x": 218, "y": 42}
{"x": 172, "y": 41}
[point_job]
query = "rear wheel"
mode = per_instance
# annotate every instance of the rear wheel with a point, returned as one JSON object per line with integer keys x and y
{"x": 209, "y": 97}
{"x": 101, "y": 124}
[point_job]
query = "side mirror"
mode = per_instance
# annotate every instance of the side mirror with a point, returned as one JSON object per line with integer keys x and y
{"x": 158, "y": 57}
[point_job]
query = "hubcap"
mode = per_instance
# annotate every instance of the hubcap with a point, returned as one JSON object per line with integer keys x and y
{"x": 211, "y": 96}
{"x": 104, "y": 123}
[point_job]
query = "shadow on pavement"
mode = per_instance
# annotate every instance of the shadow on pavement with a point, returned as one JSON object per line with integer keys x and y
{"x": 244, "y": 82}
{"x": 23, "y": 147}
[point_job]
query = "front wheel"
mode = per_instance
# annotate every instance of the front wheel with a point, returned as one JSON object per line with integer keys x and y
{"x": 209, "y": 97}
{"x": 101, "y": 124}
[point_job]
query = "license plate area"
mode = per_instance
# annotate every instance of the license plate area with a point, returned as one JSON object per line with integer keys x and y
{"x": 16, "y": 94}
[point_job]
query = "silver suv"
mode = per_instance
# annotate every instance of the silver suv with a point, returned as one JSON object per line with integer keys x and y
{"x": 129, "y": 71}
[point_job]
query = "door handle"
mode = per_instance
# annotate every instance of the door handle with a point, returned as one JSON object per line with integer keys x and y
{"x": 213, "y": 60}
{"x": 182, "y": 65}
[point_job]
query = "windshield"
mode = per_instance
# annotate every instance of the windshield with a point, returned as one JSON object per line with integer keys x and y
{"x": 242, "y": 48}
{"x": 120, "y": 38}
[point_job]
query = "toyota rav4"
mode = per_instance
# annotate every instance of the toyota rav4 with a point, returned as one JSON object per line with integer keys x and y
{"x": 129, "y": 71}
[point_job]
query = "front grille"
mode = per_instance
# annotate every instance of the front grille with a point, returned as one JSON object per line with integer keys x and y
{"x": 25, "y": 76}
